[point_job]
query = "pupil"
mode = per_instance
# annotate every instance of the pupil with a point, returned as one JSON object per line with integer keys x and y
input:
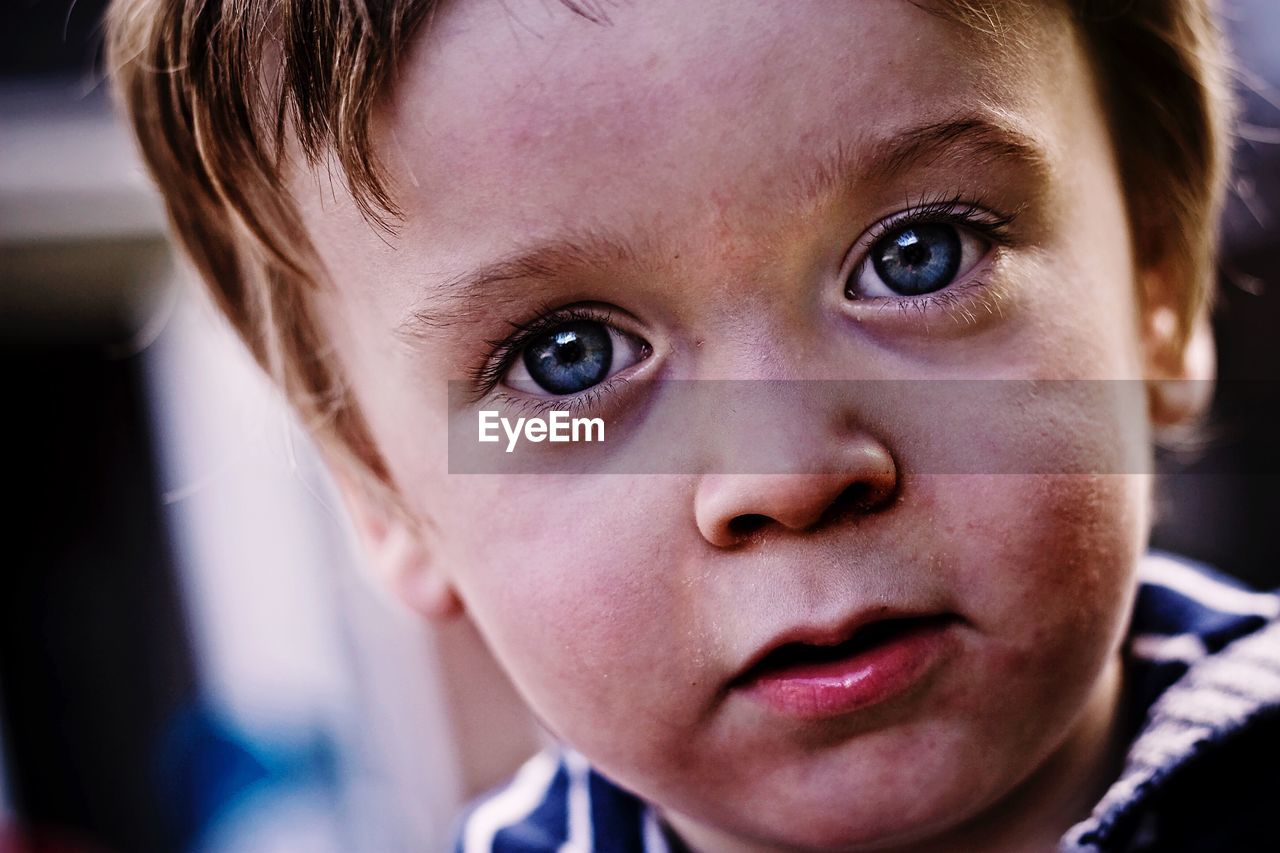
{"x": 913, "y": 253}
{"x": 568, "y": 348}
{"x": 918, "y": 259}
{"x": 570, "y": 358}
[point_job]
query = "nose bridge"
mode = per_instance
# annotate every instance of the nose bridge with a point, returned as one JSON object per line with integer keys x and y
{"x": 770, "y": 425}
{"x": 790, "y": 454}
{"x": 754, "y": 295}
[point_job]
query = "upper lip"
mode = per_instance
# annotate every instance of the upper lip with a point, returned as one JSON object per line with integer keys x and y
{"x": 830, "y": 635}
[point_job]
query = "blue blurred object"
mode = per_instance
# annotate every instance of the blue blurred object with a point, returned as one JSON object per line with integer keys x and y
{"x": 209, "y": 773}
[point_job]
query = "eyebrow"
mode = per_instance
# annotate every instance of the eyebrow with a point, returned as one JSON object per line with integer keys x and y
{"x": 569, "y": 254}
{"x": 965, "y": 141}
{"x": 961, "y": 141}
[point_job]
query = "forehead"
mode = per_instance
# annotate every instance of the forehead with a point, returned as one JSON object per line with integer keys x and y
{"x": 515, "y": 120}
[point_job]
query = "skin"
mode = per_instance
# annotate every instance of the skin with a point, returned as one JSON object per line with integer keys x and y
{"x": 623, "y": 604}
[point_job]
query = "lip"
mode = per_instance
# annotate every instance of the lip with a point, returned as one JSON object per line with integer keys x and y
{"x": 817, "y": 674}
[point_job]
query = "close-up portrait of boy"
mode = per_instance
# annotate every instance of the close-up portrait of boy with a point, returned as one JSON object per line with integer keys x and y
{"x": 871, "y": 313}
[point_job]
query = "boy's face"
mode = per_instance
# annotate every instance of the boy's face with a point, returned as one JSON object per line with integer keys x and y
{"x": 969, "y": 182}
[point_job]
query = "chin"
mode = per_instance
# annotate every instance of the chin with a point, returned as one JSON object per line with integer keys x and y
{"x": 881, "y": 806}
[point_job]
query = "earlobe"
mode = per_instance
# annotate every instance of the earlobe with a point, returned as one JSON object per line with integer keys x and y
{"x": 1179, "y": 372}
{"x": 423, "y": 587}
{"x": 394, "y": 549}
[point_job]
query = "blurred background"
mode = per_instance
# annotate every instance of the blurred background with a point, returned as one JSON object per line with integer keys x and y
{"x": 189, "y": 657}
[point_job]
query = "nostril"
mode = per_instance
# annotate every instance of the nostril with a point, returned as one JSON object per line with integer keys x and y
{"x": 745, "y": 525}
{"x": 858, "y": 499}
{"x": 857, "y": 496}
{"x": 731, "y": 510}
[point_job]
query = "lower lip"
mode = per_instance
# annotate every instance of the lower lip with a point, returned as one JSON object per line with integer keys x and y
{"x": 836, "y": 688}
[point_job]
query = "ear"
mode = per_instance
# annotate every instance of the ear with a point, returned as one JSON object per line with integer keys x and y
{"x": 1179, "y": 372}
{"x": 394, "y": 548}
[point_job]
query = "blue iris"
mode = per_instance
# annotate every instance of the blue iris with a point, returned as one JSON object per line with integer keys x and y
{"x": 570, "y": 358}
{"x": 917, "y": 259}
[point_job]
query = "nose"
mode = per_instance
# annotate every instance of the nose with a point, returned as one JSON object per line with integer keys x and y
{"x": 856, "y": 475}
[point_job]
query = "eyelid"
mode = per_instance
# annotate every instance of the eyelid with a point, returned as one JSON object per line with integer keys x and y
{"x": 953, "y": 209}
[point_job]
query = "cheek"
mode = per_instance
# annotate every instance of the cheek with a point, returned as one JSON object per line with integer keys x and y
{"x": 576, "y": 596}
{"x": 1045, "y": 567}
{"x": 1046, "y": 554}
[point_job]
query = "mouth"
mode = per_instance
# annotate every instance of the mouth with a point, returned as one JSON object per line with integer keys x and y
{"x": 822, "y": 676}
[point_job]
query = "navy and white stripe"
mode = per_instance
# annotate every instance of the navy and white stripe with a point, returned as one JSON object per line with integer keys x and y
{"x": 1202, "y": 666}
{"x": 1204, "y": 678}
{"x": 557, "y": 802}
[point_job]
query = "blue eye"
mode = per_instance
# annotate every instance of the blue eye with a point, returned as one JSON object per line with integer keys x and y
{"x": 916, "y": 259}
{"x": 573, "y": 356}
{"x": 570, "y": 358}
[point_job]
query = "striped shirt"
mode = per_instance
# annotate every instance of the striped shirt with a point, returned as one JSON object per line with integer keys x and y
{"x": 1202, "y": 772}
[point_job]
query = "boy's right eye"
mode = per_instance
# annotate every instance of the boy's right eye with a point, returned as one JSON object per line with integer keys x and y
{"x": 573, "y": 356}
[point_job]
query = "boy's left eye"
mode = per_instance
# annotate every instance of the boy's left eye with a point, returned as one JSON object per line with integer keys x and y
{"x": 916, "y": 259}
{"x": 573, "y": 356}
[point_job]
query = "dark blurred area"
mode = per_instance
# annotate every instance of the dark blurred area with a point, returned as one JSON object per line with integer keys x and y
{"x": 1219, "y": 503}
{"x": 97, "y": 660}
{"x": 51, "y": 39}
{"x": 94, "y": 655}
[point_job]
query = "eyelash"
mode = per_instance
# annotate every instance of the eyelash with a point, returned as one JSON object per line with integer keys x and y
{"x": 506, "y": 350}
{"x": 588, "y": 400}
{"x": 956, "y": 210}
